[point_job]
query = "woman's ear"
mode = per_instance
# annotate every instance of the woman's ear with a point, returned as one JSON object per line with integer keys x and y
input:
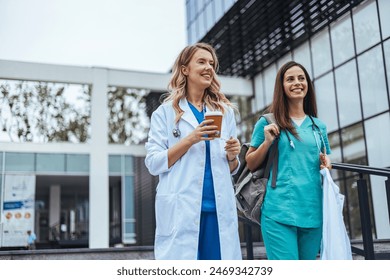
{"x": 184, "y": 70}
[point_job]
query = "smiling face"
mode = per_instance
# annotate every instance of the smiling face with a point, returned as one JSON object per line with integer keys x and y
{"x": 200, "y": 70}
{"x": 295, "y": 83}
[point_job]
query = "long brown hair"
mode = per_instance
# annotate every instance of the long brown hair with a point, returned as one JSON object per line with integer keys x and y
{"x": 213, "y": 98}
{"x": 279, "y": 104}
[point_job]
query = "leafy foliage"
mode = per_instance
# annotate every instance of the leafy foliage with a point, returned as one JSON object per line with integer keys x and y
{"x": 44, "y": 112}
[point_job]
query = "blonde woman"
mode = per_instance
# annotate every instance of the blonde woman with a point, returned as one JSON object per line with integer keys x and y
{"x": 195, "y": 206}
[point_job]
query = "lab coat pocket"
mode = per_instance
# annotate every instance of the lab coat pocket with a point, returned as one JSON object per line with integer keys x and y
{"x": 165, "y": 214}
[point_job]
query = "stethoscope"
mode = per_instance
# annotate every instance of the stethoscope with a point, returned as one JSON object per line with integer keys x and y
{"x": 176, "y": 131}
{"x": 316, "y": 131}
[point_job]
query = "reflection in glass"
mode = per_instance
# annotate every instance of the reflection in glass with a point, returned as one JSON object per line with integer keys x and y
{"x": 342, "y": 40}
{"x": 348, "y": 94}
{"x": 302, "y": 56}
{"x": 365, "y": 20}
{"x": 378, "y": 135}
{"x": 372, "y": 82}
{"x": 353, "y": 144}
{"x": 41, "y": 112}
{"x": 326, "y": 101}
{"x": 128, "y": 122}
{"x": 384, "y": 11}
{"x": 322, "y": 60}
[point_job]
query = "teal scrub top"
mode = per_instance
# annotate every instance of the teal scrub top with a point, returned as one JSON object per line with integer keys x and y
{"x": 297, "y": 198}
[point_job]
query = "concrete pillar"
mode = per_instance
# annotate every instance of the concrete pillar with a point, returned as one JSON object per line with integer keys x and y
{"x": 98, "y": 179}
{"x": 54, "y": 206}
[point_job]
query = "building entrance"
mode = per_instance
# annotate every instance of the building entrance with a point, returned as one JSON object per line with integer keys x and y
{"x": 62, "y": 211}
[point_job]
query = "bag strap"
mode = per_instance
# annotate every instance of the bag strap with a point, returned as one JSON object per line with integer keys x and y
{"x": 273, "y": 156}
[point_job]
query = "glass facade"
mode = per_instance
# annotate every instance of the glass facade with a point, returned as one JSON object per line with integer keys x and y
{"x": 348, "y": 61}
{"x": 43, "y": 112}
{"x": 122, "y": 167}
{"x": 202, "y": 15}
{"x": 62, "y": 195}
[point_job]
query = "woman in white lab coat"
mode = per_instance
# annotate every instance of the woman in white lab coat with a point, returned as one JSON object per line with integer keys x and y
{"x": 196, "y": 214}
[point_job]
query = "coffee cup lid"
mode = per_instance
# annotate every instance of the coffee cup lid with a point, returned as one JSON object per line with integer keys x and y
{"x": 213, "y": 113}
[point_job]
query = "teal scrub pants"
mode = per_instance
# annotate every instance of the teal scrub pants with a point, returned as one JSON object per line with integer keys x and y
{"x": 285, "y": 242}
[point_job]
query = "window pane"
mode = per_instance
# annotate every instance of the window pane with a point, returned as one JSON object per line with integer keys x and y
{"x": 365, "y": 20}
{"x": 19, "y": 161}
{"x": 50, "y": 162}
{"x": 219, "y": 10}
{"x": 302, "y": 56}
{"x": 348, "y": 94}
{"x": 378, "y": 145}
{"x": 114, "y": 163}
{"x": 353, "y": 144}
{"x": 129, "y": 197}
{"x": 372, "y": 82}
{"x": 334, "y": 142}
{"x": 129, "y": 165}
{"x": 77, "y": 163}
{"x": 342, "y": 40}
{"x": 128, "y": 122}
{"x": 384, "y": 11}
{"x": 269, "y": 81}
{"x": 326, "y": 101}
{"x": 386, "y": 46}
{"x": 259, "y": 90}
{"x": 286, "y": 58}
{"x": 209, "y": 16}
{"x": 322, "y": 60}
{"x": 41, "y": 112}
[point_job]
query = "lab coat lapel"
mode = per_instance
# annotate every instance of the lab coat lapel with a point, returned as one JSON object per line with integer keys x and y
{"x": 188, "y": 116}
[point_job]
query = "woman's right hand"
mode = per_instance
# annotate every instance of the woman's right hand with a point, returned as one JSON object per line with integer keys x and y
{"x": 271, "y": 131}
{"x": 202, "y": 132}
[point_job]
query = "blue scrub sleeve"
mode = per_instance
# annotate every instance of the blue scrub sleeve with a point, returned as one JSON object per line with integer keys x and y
{"x": 258, "y": 133}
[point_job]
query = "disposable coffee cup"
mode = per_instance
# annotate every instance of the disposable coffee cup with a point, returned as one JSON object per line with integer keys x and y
{"x": 217, "y": 117}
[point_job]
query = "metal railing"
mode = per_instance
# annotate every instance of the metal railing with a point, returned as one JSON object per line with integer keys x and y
{"x": 363, "y": 198}
{"x": 365, "y": 215}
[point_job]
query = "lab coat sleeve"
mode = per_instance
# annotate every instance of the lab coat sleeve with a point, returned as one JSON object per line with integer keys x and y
{"x": 157, "y": 145}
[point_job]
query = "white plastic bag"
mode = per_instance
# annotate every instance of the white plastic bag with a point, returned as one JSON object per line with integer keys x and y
{"x": 335, "y": 243}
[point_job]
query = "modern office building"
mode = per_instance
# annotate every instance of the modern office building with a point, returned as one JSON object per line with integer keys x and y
{"x": 344, "y": 45}
{"x": 72, "y": 154}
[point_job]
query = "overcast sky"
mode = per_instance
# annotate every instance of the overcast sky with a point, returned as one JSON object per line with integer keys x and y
{"x": 141, "y": 35}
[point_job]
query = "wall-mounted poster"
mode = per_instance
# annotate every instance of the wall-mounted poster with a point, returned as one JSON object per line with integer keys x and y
{"x": 18, "y": 209}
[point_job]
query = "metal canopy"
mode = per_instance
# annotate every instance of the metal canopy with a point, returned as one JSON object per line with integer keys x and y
{"x": 255, "y": 33}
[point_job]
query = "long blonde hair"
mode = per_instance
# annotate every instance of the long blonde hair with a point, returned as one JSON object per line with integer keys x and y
{"x": 213, "y": 98}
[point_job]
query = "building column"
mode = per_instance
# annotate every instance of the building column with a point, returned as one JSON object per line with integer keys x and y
{"x": 55, "y": 207}
{"x": 98, "y": 171}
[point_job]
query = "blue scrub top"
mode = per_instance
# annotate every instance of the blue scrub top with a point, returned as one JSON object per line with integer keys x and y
{"x": 208, "y": 196}
{"x": 297, "y": 198}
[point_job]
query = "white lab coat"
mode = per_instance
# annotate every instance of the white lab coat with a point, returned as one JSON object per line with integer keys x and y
{"x": 179, "y": 191}
{"x": 335, "y": 244}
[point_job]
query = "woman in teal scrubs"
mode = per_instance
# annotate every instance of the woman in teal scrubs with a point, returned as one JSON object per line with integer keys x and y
{"x": 291, "y": 218}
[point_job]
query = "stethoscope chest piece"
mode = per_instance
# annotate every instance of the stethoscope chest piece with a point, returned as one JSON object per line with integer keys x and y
{"x": 176, "y": 132}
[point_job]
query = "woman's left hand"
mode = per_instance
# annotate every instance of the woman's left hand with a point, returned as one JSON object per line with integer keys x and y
{"x": 325, "y": 162}
{"x": 232, "y": 148}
